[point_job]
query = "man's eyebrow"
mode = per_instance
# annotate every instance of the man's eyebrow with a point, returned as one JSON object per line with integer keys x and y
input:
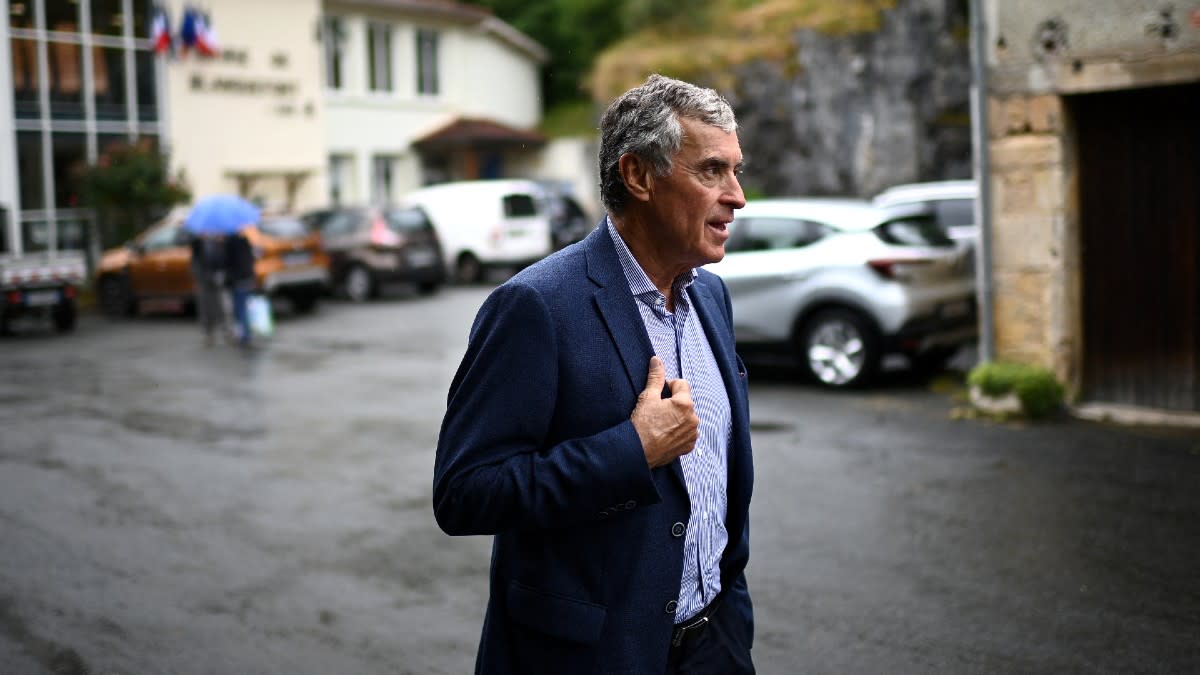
{"x": 720, "y": 163}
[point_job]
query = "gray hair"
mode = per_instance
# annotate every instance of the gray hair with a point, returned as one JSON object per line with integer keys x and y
{"x": 644, "y": 121}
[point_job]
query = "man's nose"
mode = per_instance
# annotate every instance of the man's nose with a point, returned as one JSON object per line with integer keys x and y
{"x": 734, "y": 197}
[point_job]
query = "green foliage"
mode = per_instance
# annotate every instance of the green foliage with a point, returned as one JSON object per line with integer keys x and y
{"x": 128, "y": 186}
{"x": 1038, "y": 390}
{"x": 574, "y": 32}
{"x": 570, "y": 118}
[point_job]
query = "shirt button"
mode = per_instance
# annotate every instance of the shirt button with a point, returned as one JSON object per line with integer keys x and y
{"x": 671, "y": 607}
{"x": 678, "y": 529}
{"x": 630, "y": 505}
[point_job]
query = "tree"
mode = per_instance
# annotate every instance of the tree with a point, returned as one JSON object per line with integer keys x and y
{"x": 573, "y": 31}
{"x": 129, "y": 185}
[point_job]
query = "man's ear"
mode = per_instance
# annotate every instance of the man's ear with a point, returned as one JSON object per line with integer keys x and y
{"x": 636, "y": 174}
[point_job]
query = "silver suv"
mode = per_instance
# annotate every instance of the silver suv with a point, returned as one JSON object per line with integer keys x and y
{"x": 952, "y": 203}
{"x": 841, "y": 283}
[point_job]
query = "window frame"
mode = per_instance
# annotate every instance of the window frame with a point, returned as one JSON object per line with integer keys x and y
{"x": 428, "y": 62}
{"x": 379, "y": 43}
{"x": 333, "y": 38}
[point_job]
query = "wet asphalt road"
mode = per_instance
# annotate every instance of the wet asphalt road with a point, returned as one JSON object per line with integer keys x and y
{"x": 170, "y": 508}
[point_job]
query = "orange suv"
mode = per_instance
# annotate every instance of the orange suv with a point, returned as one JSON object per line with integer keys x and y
{"x": 153, "y": 271}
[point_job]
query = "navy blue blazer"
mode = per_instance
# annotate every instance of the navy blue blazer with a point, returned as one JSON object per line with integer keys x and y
{"x": 537, "y": 448}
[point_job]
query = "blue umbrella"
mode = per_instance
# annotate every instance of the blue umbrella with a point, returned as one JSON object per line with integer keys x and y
{"x": 220, "y": 214}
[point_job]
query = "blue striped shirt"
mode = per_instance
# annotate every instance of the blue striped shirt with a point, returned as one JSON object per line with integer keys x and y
{"x": 678, "y": 339}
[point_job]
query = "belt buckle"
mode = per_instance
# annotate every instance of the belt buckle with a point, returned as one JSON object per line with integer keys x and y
{"x": 682, "y": 631}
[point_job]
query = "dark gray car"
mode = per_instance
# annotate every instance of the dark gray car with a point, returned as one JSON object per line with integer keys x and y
{"x": 370, "y": 247}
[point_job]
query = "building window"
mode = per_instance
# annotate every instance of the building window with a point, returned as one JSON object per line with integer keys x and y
{"x": 381, "y": 183}
{"x": 379, "y": 56}
{"x": 29, "y": 170}
{"x": 339, "y": 178}
{"x": 427, "y": 62}
{"x": 26, "y": 79}
{"x": 69, "y": 152}
{"x": 108, "y": 83}
{"x": 66, "y": 79}
{"x": 335, "y": 39}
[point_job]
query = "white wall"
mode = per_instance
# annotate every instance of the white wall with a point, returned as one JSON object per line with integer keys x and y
{"x": 212, "y": 131}
{"x": 480, "y": 76}
{"x": 491, "y": 79}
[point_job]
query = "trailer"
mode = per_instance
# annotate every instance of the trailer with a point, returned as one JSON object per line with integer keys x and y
{"x": 41, "y": 285}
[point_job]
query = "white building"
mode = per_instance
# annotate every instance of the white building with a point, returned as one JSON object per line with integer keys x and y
{"x": 307, "y": 103}
{"x": 420, "y": 91}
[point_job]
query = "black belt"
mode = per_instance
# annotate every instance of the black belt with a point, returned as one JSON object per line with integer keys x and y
{"x": 686, "y": 632}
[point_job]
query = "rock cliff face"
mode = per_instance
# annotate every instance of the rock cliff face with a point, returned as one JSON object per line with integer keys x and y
{"x": 859, "y": 113}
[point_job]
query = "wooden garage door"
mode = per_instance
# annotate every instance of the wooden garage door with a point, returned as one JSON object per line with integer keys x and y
{"x": 1139, "y": 182}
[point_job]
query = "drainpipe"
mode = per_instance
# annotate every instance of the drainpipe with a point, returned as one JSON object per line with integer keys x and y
{"x": 983, "y": 182}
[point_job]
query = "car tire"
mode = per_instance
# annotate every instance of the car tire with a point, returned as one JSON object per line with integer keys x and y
{"x": 304, "y": 303}
{"x": 116, "y": 298}
{"x": 357, "y": 284}
{"x": 64, "y": 316}
{"x": 840, "y": 348}
{"x": 468, "y": 269}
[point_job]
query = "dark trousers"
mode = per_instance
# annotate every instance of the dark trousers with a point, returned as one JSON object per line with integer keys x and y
{"x": 241, "y": 297}
{"x": 717, "y": 650}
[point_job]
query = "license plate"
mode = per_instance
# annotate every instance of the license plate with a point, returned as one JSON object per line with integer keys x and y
{"x": 41, "y": 298}
{"x": 955, "y": 310}
{"x": 297, "y": 258}
{"x": 420, "y": 258}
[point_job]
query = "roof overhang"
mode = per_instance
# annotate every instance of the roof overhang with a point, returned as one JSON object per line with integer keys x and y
{"x": 475, "y": 132}
{"x": 455, "y": 12}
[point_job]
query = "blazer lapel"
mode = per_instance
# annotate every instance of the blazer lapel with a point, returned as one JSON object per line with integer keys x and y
{"x": 616, "y": 306}
{"x": 615, "y": 303}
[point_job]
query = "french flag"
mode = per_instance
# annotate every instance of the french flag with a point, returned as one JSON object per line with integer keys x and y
{"x": 160, "y": 31}
{"x": 206, "y": 37}
{"x": 196, "y": 33}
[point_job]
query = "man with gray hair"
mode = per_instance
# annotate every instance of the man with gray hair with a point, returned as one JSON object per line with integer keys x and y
{"x": 598, "y": 425}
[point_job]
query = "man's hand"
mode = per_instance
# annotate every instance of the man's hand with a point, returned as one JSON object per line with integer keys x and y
{"x": 668, "y": 427}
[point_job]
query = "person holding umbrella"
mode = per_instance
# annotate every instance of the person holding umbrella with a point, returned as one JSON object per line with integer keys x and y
{"x": 221, "y": 256}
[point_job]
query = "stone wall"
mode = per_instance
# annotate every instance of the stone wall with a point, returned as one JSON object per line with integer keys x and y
{"x": 1035, "y": 268}
{"x": 859, "y": 113}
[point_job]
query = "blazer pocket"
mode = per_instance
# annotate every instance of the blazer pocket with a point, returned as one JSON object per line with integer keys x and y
{"x": 556, "y": 615}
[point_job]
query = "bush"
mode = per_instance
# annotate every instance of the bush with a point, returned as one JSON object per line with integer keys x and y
{"x": 1038, "y": 390}
{"x": 129, "y": 185}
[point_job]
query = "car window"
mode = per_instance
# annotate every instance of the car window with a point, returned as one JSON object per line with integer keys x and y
{"x": 342, "y": 222}
{"x": 406, "y": 220}
{"x": 955, "y": 212}
{"x": 574, "y": 210}
{"x": 283, "y": 227}
{"x": 519, "y": 206}
{"x": 914, "y": 231}
{"x": 166, "y": 237}
{"x": 762, "y": 234}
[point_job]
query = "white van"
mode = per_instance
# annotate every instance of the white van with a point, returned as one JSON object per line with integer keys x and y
{"x": 487, "y": 224}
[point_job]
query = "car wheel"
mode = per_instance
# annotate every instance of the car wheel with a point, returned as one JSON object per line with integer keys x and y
{"x": 840, "y": 348}
{"x": 357, "y": 285}
{"x": 468, "y": 270}
{"x": 64, "y": 316}
{"x": 115, "y": 296}
{"x": 304, "y": 303}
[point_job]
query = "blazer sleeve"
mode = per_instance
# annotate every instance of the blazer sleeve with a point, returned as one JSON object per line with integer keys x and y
{"x": 494, "y": 470}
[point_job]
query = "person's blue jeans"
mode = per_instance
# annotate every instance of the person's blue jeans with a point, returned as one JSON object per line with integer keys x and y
{"x": 241, "y": 297}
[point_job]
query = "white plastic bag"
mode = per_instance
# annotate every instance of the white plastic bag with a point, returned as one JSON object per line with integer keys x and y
{"x": 258, "y": 315}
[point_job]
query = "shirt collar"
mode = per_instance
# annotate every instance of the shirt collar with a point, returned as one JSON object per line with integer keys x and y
{"x": 639, "y": 282}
